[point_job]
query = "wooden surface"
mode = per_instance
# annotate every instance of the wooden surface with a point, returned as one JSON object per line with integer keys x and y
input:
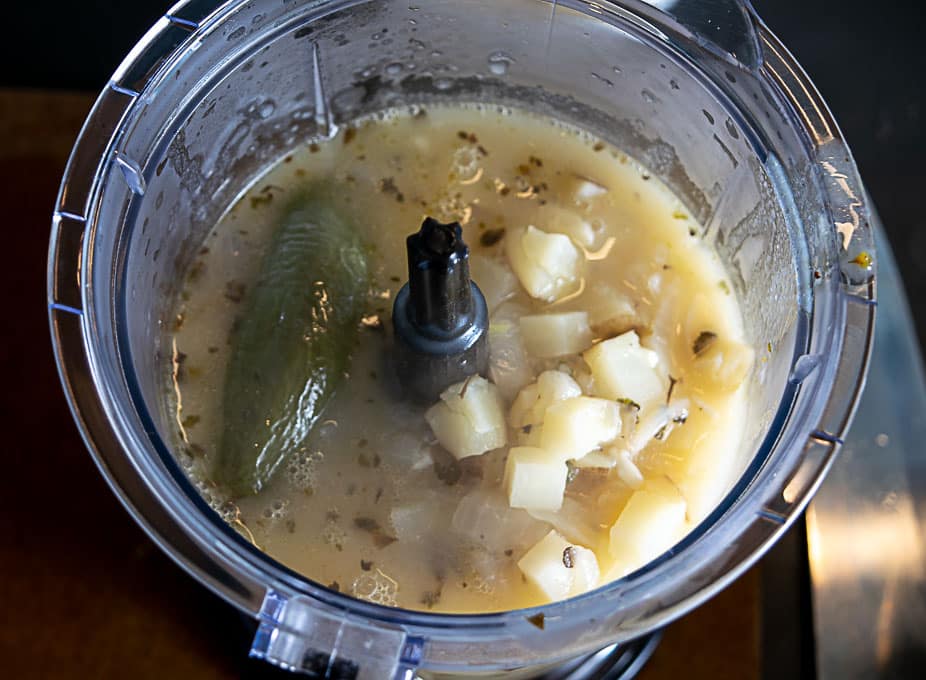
{"x": 83, "y": 592}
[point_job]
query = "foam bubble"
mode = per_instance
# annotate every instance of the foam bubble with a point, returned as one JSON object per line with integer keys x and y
{"x": 465, "y": 163}
{"x": 301, "y": 471}
{"x": 334, "y": 535}
{"x": 277, "y": 510}
{"x": 376, "y": 587}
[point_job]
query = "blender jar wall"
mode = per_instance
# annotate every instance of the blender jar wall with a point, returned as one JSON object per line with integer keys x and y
{"x": 209, "y": 98}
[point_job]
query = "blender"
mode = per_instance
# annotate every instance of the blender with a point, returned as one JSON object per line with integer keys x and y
{"x": 700, "y": 93}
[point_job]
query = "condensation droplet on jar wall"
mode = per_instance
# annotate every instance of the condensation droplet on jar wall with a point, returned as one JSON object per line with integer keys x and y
{"x": 499, "y": 62}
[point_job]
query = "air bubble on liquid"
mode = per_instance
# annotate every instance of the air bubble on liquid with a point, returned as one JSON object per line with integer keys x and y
{"x": 332, "y": 534}
{"x": 277, "y": 510}
{"x": 183, "y": 457}
{"x": 228, "y": 511}
{"x": 394, "y": 69}
{"x": 465, "y": 163}
{"x": 451, "y": 209}
{"x": 443, "y": 84}
{"x": 327, "y": 429}
{"x": 214, "y": 498}
{"x": 499, "y": 62}
{"x": 484, "y": 571}
{"x": 376, "y": 587}
{"x": 302, "y": 469}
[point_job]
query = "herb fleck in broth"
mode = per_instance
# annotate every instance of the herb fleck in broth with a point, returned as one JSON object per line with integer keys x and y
{"x": 370, "y": 500}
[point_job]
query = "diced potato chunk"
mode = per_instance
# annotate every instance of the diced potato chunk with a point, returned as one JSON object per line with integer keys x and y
{"x": 534, "y": 480}
{"x": 545, "y": 566}
{"x": 530, "y": 407}
{"x": 547, "y": 265}
{"x": 652, "y": 522}
{"x": 573, "y": 427}
{"x": 724, "y": 365}
{"x": 496, "y": 281}
{"x": 556, "y": 335}
{"x": 624, "y": 370}
{"x": 469, "y": 420}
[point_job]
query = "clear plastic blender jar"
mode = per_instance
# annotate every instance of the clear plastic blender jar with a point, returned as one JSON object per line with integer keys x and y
{"x": 702, "y": 94}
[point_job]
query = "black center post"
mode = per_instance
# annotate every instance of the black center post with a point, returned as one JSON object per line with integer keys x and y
{"x": 440, "y": 316}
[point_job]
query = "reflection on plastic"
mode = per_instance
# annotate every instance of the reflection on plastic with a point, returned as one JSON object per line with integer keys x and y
{"x": 866, "y": 528}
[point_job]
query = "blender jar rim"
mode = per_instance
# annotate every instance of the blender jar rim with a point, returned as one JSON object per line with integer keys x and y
{"x": 96, "y": 411}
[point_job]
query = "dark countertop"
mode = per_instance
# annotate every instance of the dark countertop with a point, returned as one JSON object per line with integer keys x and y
{"x": 83, "y": 593}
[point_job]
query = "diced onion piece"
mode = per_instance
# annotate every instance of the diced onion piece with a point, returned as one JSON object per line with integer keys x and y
{"x": 724, "y": 365}
{"x": 468, "y": 420}
{"x": 544, "y": 566}
{"x": 585, "y": 571}
{"x": 652, "y": 522}
{"x": 660, "y": 420}
{"x": 581, "y": 189}
{"x": 496, "y": 281}
{"x": 573, "y": 427}
{"x": 575, "y": 520}
{"x": 622, "y": 369}
{"x": 547, "y": 265}
{"x": 562, "y": 221}
{"x": 610, "y": 312}
{"x": 627, "y": 470}
{"x": 534, "y": 479}
{"x": 413, "y": 523}
{"x": 509, "y": 365}
{"x": 523, "y": 418}
{"x": 530, "y": 406}
{"x": 484, "y": 518}
{"x": 596, "y": 459}
{"x": 556, "y": 335}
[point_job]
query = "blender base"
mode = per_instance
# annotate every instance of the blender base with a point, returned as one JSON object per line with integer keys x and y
{"x": 615, "y": 662}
